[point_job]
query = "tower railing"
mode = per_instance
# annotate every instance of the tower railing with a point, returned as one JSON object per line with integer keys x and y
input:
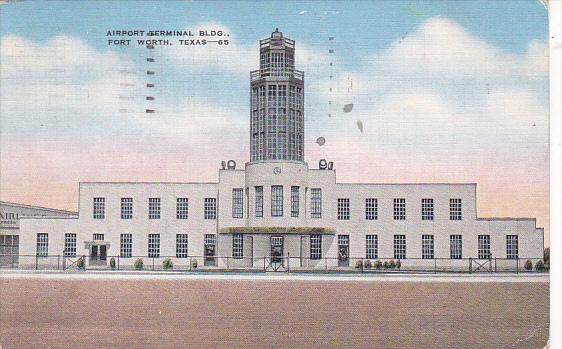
{"x": 282, "y": 73}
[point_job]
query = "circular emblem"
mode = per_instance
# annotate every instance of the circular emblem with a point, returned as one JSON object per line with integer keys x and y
{"x": 277, "y": 170}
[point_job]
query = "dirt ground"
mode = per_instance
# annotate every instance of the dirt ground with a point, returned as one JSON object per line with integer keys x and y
{"x": 271, "y": 314}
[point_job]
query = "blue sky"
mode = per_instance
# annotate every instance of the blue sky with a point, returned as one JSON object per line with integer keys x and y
{"x": 447, "y": 91}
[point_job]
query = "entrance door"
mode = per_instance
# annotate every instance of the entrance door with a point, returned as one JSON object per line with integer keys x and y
{"x": 209, "y": 249}
{"x": 276, "y": 249}
{"x": 94, "y": 253}
{"x": 103, "y": 253}
{"x": 343, "y": 250}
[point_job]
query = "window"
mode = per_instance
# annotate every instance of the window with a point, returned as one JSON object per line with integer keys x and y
{"x": 9, "y": 246}
{"x": 154, "y": 208}
{"x": 99, "y": 208}
{"x": 181, "y": 245}
{"x": 70, "y": 245}
{"x": 371, "y": 209}
{"x": 399, "y": 209}
{"x": 126, "y": 208}
{"x": 316, "y": 203}
{"x": 315, "y": 246}
{"x": 399, "y": 246}
{"x": 427, "y": 209}
{"x": 182, "y": 208}
{"x": 343, "y": 209}
{"x": 276, "y": 200}
{"x": 259, "y": 201}
{"x": 456, "y": 246}
{"x": 237, "y": 246}
{"x": 210, "y": 209}
{"x": 126, "y": 250}
{"x": 372, "y": 246}
{"x": 484, "y": 247}
{"x": 154, "y": 245}
{"x": 42, "y": 244}
{"x": 237, "y": 203}
{"x": 98, "y": 237}
{"x": 512, "y": 247}
{"x": 295, "y": 201}
{"x": 455, "y": 206}
{"x": 427, "y": 247}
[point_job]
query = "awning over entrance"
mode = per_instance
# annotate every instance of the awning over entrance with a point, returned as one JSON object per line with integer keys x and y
{"x": 278, "y": 230}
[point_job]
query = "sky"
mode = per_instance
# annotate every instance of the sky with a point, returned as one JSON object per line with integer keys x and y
{"x": 446, "y": 91}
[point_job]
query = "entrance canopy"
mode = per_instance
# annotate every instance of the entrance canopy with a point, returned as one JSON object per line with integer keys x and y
{"x": 278, "y": 230}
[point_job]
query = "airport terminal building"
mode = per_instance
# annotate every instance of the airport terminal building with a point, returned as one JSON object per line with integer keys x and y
{"x": 277, "y": 211}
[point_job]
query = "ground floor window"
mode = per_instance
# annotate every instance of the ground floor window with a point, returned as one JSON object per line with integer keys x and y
{"x": 456, "y": 246}
{"x": 69, "y": 245}
{"x": 315, "y": 246}
{"x": 427, "y": 247}
{"x": 512, "y": 247}
{"x": 372, "y": 246}
{"x": 9, "y": 245}
{"x": 399, "y": 246}
{"x": 42, "y": 244}
{"x": 237, "y": 246}
{"x": 181, "y": 245}
{"x": 154, "y": 245}
{"x": 484, "y": 247}
{"x": 126, "y": 248}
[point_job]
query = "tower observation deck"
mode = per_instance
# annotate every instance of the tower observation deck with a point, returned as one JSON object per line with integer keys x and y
{"x": 277, "y": 103}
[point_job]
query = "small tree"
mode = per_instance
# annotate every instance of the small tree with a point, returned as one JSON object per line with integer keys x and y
{"x": 167, "y": 263}
{"x": 139, "y": 264}
{"x": 367, "y": 264}
{"x": 386, "y": 265}
{"x": 378, "y": 265}
{"x": 546, "y": 258}
{"x": 539, "y": 266}
{"x": 392, "y": 264}
{"x": 194, "y": 264}
{"x": 358, "y": 265}
{"x": 112, "y": 263}
{"x": 80, "y": 262}
{"x": 528, "y": 265}
{"x": 398, "y": 264}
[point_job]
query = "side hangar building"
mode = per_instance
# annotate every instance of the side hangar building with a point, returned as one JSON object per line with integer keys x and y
{"x": 278, "y": 212}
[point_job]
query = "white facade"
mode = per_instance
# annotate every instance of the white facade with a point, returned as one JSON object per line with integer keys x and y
{"x": 248, "y": 232}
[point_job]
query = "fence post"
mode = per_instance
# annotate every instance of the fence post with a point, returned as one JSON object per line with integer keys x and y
{"x": 118, "y": 262}
{"x": 227, "y": 263}
{"x": 58, "y": 261}
{"x": 470, "y": 265}
{"x": 264, "y": 267}
{"x": 495, "y": 264}
{"x": 361, "y": 265}
{"x": 36, "y": 260}
{"x": 288, "y": 261}
{"x": 435, "y": 265}
{"x": 190, "y": 262}
{"x": 64, "y": 262}
{"x": 152, "y": 263}
{"x": 326, "y": 263}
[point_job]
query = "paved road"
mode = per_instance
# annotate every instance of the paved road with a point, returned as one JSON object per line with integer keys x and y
{"x": 195, "y": 312}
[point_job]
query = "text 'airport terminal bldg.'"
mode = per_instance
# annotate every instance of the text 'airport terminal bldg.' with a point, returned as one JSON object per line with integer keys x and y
{"x": 278, "y": 212}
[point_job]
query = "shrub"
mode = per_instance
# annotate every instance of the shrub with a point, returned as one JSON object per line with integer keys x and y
{"x": 386, "y": 265}
{"x": 167, "y": 263}
{"x": 378, "y": 265}
{"x": 80, "y": 263}
{"x": 546, "y": 258}
{"x": 112, "y": 263}
{"x": 139, "y": 264}
{"x": 398, "y": 264}
{"x": 392, "y": 264}
{"x": 539, "y": 266}
{"x": 529, "y": 265}
{"x": 358, "y": 265}
{"x": 367, "y": 264}
{"x": 194, "y": 264}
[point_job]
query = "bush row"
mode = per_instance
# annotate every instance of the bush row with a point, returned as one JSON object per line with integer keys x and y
{"x": 366, "y": 264}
